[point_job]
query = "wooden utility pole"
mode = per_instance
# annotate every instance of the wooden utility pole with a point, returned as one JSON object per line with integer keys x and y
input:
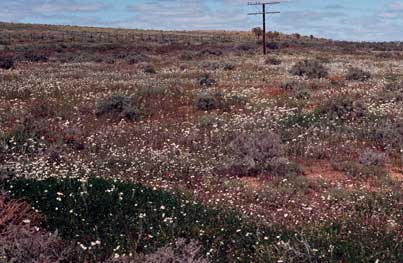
{"x": 263, "y": 4}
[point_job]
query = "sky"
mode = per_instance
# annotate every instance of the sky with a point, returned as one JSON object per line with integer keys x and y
{"x": 357, "y": 20}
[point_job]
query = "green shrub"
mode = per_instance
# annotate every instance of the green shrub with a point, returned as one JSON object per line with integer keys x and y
{"x": 187, "y": 56}
{"x": 117, "y": 106}
{"x": 6, "y": 172}
{"x": 209, "y": 65}
{"x": 35, "y": 57}
{"x": 207, "y": 102}
{"x": 257, "y": 31}
{"x": 389, "y": 134}
{"x": 272, "y": 45}
{"x": 6, "y": 63}
{"x": 291, "y": 85}
{"x": 149, "y": 69}
{"x": 209, "y": 121}
{"x": 109, "y": 60}
{"x": 372, "y": 158}
{"x": 358, "y": 75}
{"x": 209, "y": 52}
{"x": 136, "y": 58}
{"x": 392, "y": 92}
{"x": 359, "y": 170}
{"x": 247, "y": 47}
{"x": 205, "y": 79}
{"x": 325, "y": 59}
{"x": 370, "y": 164}
{"x": 273, "y": 61}
{"x": 342, "y": 107}
{"x": 154, "y": 91}
{"x": 263, "y": 152}
{"x": 302, "y": 94}
{"x": 283, "y": 167}
{"x": 396, "y": 86}
{"x": 25, "y": 136}
{"x": 299, "y": 88}
{"x": 229, "y": 66}
{"x": 310, "y": 69}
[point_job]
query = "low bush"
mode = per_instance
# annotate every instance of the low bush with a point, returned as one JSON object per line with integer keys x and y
{"x": 153, "y": 91}
{"x": 391, "y": 92}
{"x": 343, "y": 107}
{"x": 149, "y": 69}
{"x": 205, "y": 79}
{"x": 389, "y": 134}
{"x": 32, "y": 56}
{"x": 21, "y": 240}
{"x": 6, "y": 63}
{"x": 273, "y": 61}
{"x": 325, "y": 59}
{"x": 288, "y": 85}
{"x": 272, "y": 46}
{"x": 370, "y": 164}
{"x": 207, "y": 102}
{"x": 229, "y": 66}
{"x": 119, "y": 55}
{"x": 283, "y": 167}
{"x": 117, "y": 106}
{"x": 24, "y": 137}
{"x": 247, "y": 47}
{"x": 136, "y": 58}
{"x": 284, "y": 44}
{"x": 396, "y": 86}
{"x": 210, "y": 52}
{"x": 209, "y": 65}
{"x": 302, "y": 94}
{"x": 186, "y": 56}
{"x": 254, "y": 154}
{"x": 359, "y": 170}
{"x": 372, "y": 158}
{"x": 6, "y": 172}
{"x": 358, "y": 74}
{"x": 294, "y": 85}
{"x": 310, "y": 69}
{"x": 209, "y": 121}
{"x": 109, "y": 60}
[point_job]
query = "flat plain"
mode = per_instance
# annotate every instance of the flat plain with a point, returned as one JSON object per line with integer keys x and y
{"x": 194, "y": 147}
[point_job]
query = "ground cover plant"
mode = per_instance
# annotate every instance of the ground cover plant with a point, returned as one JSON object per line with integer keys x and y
{"x": 144, "y": 220}
{"x": 298, "y": 145}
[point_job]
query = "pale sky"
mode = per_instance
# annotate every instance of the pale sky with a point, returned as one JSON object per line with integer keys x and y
{"x": 360, "y": 20}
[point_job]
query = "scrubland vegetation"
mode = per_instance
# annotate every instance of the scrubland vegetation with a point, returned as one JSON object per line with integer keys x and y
{"x": 189, "y": 151}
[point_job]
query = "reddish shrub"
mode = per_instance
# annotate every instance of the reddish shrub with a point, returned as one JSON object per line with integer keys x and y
{"x": 21, "y": 240}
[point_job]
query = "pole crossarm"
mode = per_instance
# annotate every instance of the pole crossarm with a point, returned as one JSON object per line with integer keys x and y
{"x": 260, "y": 13}
{"x": 264, "y": 3}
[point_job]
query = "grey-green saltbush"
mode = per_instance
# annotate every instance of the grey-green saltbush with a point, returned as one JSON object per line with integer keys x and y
{"x": 117, "y": 106}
